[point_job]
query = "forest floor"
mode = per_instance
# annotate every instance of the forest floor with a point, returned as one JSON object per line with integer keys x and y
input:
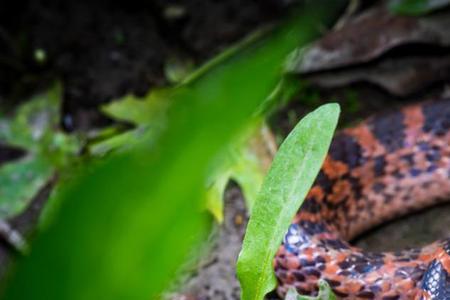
{"x": 103, "y": 50}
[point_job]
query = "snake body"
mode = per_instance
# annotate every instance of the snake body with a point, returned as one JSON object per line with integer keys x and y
{"x": 385, "y": 167}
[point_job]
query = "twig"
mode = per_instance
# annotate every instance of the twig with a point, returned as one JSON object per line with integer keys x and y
{"x": 13, "y": 237}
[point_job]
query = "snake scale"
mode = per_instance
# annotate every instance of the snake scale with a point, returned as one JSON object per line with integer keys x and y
{"x": 385, "y": 167}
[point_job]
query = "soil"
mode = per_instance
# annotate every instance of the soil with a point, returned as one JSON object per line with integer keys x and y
{"x": 102, "y": 50}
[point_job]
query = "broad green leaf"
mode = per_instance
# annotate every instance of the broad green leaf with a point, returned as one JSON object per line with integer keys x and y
{"x": 34, "y": 127}
{"x": 416, "y": 7}
{"x": 290, "y": 177}
{"x": 122, "y": 230}
{"x": 325, "y": 293}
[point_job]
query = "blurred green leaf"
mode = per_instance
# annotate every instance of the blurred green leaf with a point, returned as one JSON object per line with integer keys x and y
{"x": 290, "y": 177}
{"x": 416, "y": 7}
{"x": 140, "y": 111}
{"x": 118, "y": 142}
{"x": 20, "y": 181}
{"x": 34, "y": 127}
{"x": 245, "y": 160}
{"x": 176, "y": 69}
{"x": 242, "y": 161}
{"x": 286, "y": 89}
{"x": 149, "y": 114}
{"x": 34, "y": 122}
{"x": 123, "y": 229}
{"x": 325, "y": 293}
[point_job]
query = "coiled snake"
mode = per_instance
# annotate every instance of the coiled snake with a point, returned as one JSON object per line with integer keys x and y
{"x": 385, "y": 167}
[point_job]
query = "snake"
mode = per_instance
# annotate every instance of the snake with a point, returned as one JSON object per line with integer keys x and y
{"x": 387, "y": 166}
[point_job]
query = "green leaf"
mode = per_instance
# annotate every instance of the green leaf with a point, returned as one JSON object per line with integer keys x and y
{"x": 214, "y": 195}
{"x": 325, "y": 293}
{"x": 246, "y": 161}
{"x": 252, "y": 161}
{"x": 289, "y": 179}
{"x": 123, "y": 229}
{"x": 140, "y": 111}
{"x": 20, "y": 181}
{"x": 284, "y": 92}
{"x": 33, "y": 122}
{"x": 416, "y": 7}
{"x": 34, "y": 127}
{"x": 118, "y": 142}
{"x": 149, "y": 114}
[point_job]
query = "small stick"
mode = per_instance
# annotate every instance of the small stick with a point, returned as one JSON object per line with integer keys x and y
{"x": 13, "y": 237}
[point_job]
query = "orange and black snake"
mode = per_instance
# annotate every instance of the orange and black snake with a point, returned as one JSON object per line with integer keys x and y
{"x": 385, "y": 167}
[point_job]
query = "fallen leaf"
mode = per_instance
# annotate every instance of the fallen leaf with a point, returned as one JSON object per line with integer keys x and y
{"x": 368, "y": 36}
{"x": 399, "y": 76}
{"x": 416, "y": 7}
